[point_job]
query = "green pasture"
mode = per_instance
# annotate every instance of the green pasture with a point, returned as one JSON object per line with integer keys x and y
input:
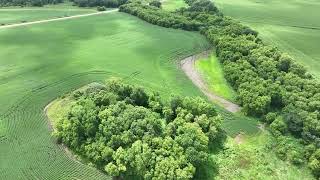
{"x": 212, "y": 72}
{"x": 292, "y": 25}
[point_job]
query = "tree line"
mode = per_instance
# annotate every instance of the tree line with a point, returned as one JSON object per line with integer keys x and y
{"x": 28, "y": 2}
{"x": 269, "y": 83}
{"x": 159, "y": 17}
{"x": 80, "y": 3}
{"x": 127, "y": 132}
{"x": 99, "y": 3}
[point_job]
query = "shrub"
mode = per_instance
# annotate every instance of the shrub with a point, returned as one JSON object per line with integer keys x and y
{"x": 101, "y": 8}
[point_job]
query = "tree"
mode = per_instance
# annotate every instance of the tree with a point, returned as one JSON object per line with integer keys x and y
{"x": 101, "y": 8}
{"x": 125, "y": 131}
{"x": 155, "y": 3}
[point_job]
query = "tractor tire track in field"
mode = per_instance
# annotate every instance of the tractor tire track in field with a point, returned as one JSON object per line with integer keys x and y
{"x": 56, "y": 19}
{"x": 188, "y": 66}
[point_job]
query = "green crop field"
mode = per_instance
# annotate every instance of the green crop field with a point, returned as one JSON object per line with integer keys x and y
{"x": 10, "y": 15}
{"x": 40, "y": 62}
{"x": 292, "y": 25}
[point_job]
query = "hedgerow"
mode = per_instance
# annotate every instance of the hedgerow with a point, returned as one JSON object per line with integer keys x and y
{"x": 269, "y": 83}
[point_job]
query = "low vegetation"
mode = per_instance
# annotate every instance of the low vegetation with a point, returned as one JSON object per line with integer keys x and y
{"x": 211, "y": 70}
{"x": 128, "y": 132}
{"x": 269, "y": 83}
{"x": 250, "y": 156}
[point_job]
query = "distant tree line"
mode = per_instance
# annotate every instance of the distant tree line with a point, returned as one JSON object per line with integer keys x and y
{"x": 269, "y": 83}
{"x": 128, "y": 132}
{"x": 80, "y": 3}
{"x": 101, "y": 3}
{"x": 28, "y": 2}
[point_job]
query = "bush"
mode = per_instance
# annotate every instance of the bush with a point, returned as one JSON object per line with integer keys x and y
{"x": 101, "y": 8}
{"x": 155, "y": 3}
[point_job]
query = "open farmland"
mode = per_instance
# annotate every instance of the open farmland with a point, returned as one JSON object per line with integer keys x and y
{"x": 41, "y": 62}
{"x": 10, "y": 16}
{"x": 18, "y": 15}
{"x": 291, "y": 25}
{"x": 121, "y": 130}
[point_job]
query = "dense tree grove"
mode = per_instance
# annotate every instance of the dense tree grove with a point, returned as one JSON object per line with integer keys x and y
{"x": 28, "y": 2}
{"x": 94, "y": 3}
{"x": 269, "y": 83}
{"x": 128, "y": 132}
{"x": 160, "y": 17}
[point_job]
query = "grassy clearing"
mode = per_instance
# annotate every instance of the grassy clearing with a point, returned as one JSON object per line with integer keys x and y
{"x": 292, "y": 25}
{"x": 212, "y": 72}
{"x": 255, "y": 157}
{"x": 40, "y": 62}
{"x": 171, "y": 5}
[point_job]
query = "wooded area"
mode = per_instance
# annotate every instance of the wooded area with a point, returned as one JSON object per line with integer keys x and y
{"x": 269, "y": 83}
{"x": 128, "y": 132}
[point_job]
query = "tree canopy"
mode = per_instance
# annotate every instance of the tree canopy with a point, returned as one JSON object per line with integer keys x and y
{"x": 100, "y": 3}
{"x": 269, "y": 83}
{"x": 28, "y": 2}
{"x": 126, "y": 131}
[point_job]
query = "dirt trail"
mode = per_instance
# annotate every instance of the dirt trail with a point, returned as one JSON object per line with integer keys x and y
{"x": 56, "y": 19}
{"x": 188, "y": 66}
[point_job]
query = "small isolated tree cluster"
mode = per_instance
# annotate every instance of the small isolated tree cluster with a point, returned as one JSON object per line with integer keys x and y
{"x": 269, "y": 83}
{"x": 101, "y": 8}
{"x": 28, "y": 2}
{"x": 128, "y": 132}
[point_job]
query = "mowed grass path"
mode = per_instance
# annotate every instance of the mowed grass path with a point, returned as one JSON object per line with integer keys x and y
{"x": 39, "y": 63}
{"x": 291, "y": 25}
